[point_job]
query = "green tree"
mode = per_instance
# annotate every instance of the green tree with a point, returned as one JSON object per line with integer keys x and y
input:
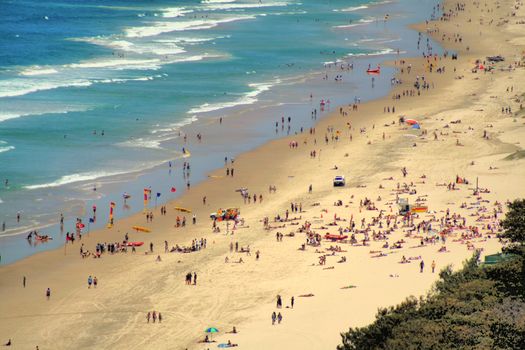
{"x": 514, "y": 222}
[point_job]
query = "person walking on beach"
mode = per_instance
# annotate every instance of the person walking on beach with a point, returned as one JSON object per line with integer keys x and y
{"x": 421, "y": 266}
{"x": 160, "y": 317}
{"x": 90, "y": 281}
{"x": 274, "y": 317}
{"x": 48, "y": 293}
{"x": 279, "y": 302}
{"x": 24, "y": 282}
{"x": 148, "y": 316}
{"x": 279, "y": 318}
{"x": 95, "y": 282}
{"x": 151, "y": 247}
{"x": 292, "y": 301}
{"x": 433, "y": 265}
{"x": 195, "y": 278}
{"x": 154, "y": 316}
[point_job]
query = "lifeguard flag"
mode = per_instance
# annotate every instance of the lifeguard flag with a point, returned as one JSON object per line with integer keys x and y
{"x": 158, "y": 194}
{"x": 173, "y": 189}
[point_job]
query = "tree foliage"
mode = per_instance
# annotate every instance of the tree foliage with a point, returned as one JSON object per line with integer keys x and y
{"x": 514, "y": 222}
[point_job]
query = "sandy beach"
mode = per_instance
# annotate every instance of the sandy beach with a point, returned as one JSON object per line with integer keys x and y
{"x": 462, "y": 164}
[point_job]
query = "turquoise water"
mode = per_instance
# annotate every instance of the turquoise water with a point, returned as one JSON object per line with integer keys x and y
{"x": 139, "y": 71}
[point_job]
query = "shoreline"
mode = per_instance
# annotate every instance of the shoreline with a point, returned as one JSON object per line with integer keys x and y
{"x": 282, "y": 269}
{"x": 134, "y": 182}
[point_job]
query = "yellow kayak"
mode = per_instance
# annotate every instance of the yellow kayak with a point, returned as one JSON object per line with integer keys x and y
{"x": 184, "y": 210}
{"x": 142, "y": 229}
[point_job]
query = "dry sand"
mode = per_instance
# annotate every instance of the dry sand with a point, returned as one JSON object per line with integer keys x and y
{"x": 243, "y": 294}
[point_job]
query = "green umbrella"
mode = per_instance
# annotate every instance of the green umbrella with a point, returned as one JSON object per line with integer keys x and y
{"x": 212, "y": 330}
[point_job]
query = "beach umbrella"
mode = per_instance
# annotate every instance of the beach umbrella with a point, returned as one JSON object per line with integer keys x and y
{"x": 411, "y": 121}
{"x": 211, "y": 330}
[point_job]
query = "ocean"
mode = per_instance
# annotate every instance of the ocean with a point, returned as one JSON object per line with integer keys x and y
{"x": 95, "y": 96}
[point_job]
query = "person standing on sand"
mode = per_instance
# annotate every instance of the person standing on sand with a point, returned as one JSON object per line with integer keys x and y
{"x": 274, "y": 317}
{"x": 421, "y": 266}
{"x": 48, "y": 293}
{"x": 292, "y": 302}
{"x": 148, "y": 316}
{"x": 95, "y": 282}
{"x": 160, "y": 317}
{"x": 90, "y": 281}
{"x": 433, "y": 265}
{"x": 279, "y": 318}
{"x": 279, "y": 302}
{"x": 24, "y": 282}
{"x": 194, "y": 278}
{"x": 151, "y": 247}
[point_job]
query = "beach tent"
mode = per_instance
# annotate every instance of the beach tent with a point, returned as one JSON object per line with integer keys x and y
{"x": 411, "y": 121}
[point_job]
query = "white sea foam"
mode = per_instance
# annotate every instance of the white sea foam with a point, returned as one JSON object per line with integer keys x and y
{"x": 168, "y": 47}
{"x": 387, "y": 51}
{"x": 172, "y": 12}
{"x": 361, "y": 22}
{"x": 235, "y": 6}
{"x": 6, "y": 149}
{"x": 40, "y": 111}
{"x": 19, "y": 87}
{"x": 69, "y": 179}
{"x": 141, "y": 143}
{"x": 38, "y": 70}
{"x": 352, "y": 9}
{"x": 216, "y": 1}
{"x": 116, "y": 63}
{"x": 166, "y": 27}
{"x": 247, "y": 99}
{"x": 175, "y": 126}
